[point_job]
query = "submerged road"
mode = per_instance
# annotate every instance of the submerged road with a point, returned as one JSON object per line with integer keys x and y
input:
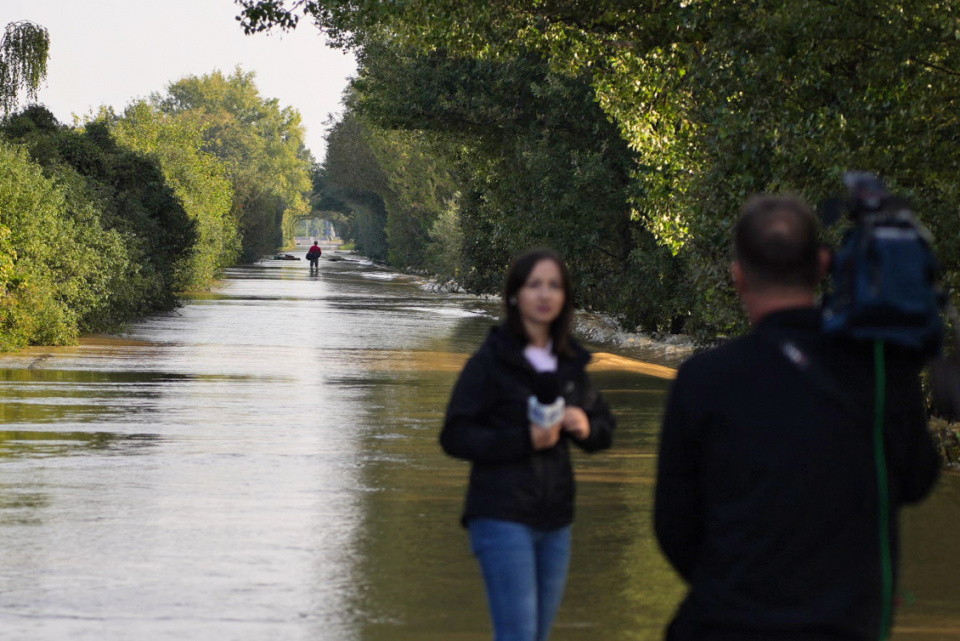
{"x": 263, "y": 464}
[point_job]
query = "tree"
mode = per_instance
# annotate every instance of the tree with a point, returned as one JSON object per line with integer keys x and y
{"x": 354, "y": 182}
{"x": 534, "y": 161}
{"x": 59, "y": 268}
{"x": 719, "y": 99}
{"x": 199, "y": 180}
{"x": 24, "y": 49}
{"x": 475, "y": 160}
{"x": 261, "y": 145}
{"x": 131, "y": 197}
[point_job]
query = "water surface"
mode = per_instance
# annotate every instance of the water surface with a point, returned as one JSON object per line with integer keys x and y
{"x": 263, "y": 464}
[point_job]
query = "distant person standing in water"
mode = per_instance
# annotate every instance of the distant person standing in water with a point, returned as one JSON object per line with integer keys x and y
{"x": 519, "y": 503}
{"x": 313, "y": 255}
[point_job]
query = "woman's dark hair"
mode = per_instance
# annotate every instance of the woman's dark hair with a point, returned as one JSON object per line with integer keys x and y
{"x": 516, "y": 276}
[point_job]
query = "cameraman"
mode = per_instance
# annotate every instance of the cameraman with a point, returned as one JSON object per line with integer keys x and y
{"x": 767, "y": 493}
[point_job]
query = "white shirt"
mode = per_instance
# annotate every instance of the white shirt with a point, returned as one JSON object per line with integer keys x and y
{"x": 542, "y": 358}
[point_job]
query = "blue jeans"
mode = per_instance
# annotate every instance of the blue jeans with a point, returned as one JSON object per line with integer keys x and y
{"x": 525, "y": 571}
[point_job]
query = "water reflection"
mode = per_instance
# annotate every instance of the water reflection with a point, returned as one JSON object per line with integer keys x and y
{"x": 263, "y": 463}
{"x": 42, "y": 444}
{"x": 620, "y": 587}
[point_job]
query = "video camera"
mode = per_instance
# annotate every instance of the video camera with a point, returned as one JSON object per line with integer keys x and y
{"x": 886, "y": 282}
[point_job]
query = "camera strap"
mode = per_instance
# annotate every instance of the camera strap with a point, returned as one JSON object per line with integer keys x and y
{"x": 883, "y": 487}
{"x": 823, "y": 380}
{"x": 811, "y": 369}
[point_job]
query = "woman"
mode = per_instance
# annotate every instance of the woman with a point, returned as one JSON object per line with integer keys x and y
{"x": 519, "y": 503}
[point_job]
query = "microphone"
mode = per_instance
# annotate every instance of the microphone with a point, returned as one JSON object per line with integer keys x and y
{"x": 545, "y": 407}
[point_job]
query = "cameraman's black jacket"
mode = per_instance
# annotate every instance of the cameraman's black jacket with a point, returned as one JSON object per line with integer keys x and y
{"x": 767, "y": 500}
{"x": 487, "y": 424}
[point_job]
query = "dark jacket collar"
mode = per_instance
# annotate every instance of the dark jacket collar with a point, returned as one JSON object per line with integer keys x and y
{"x": 807, "y": 318}
{"x": 507, "y": 346}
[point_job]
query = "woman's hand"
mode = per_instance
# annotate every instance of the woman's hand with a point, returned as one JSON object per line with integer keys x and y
{"x": 544, "y": 438}
{"x": 576, "y": 423}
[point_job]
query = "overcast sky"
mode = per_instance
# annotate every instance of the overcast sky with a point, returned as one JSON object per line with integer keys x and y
{"x": 111, "y": 52}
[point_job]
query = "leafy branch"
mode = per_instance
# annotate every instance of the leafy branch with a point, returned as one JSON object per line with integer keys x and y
{"x": 24, "y": 50}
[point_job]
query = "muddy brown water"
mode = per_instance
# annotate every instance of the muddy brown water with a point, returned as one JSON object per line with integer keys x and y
{"x": 263, "y": 464}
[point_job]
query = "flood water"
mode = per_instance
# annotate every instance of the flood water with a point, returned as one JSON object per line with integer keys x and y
{"x": 263, "y": 464}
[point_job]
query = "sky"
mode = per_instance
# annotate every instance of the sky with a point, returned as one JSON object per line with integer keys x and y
{"x": 112, "y": 52}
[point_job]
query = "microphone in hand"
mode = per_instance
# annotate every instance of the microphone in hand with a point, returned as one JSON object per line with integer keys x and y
{"x": 545, "y": 406}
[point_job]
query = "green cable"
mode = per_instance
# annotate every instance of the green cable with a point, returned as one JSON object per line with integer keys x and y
{"x": 883, "y": 492}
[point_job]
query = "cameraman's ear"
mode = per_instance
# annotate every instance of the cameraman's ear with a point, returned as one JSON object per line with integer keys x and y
{"x": 824, "y": 260}
{"x": 739, "y": 278}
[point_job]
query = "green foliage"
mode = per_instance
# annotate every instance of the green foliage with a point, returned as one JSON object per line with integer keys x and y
{"x": 259, "y": 143}
{"x": 109, "y": 188}
{"x": 24, "y": 49}
{"x": 106, "y": 223}
{"x": 57, "y": 265}
{"x": 199, "y": 181}
{"x": 784, "y": 98}
{"x": 422, "y": 187}
{"x": 445, "y": 248}
{"x": 354, "y": 183}
{"x": 327, "y": 205}
{"x": 524, "y": 157}
{"x": 29, "y": 309}
{"x": 946, "y": 436}
{"x": 718, "y": 99}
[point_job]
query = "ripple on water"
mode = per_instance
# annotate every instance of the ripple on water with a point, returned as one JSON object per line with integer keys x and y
{"x": 263, "y": 463}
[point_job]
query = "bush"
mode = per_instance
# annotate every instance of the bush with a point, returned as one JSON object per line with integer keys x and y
{"x": 131, "y": 197}
{"x": 57, "y": 264}
{"x": 947, "y": 437}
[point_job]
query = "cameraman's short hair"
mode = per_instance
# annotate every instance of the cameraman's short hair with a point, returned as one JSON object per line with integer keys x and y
{"x": 776, "y": 241}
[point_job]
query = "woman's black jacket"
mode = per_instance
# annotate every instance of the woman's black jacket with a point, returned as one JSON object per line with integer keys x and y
{"x": 487, "y": 424}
